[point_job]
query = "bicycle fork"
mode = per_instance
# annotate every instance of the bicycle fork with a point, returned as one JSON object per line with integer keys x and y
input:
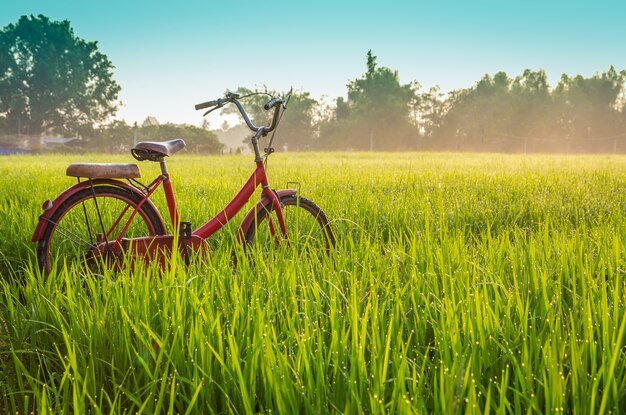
{"x": 278, "y": 208}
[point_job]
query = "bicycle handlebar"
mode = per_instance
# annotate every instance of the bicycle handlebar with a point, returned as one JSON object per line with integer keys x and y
{"x": 206, "y": 105}
{"x": 272, "y": 103}
{"x": 232, "y": 98}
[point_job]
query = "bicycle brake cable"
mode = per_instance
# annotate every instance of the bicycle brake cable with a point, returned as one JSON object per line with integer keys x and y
{"x": 253, "y": 94}
{"x": 269, "y": 150}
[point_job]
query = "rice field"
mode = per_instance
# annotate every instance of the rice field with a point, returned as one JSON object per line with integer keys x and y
{"x": 461, "y": 283}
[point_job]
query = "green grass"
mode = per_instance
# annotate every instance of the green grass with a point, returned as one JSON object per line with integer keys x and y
{"x": 460, "y": 284}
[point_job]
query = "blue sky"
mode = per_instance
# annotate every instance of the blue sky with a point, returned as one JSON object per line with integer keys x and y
{"x": 171, "y": 55}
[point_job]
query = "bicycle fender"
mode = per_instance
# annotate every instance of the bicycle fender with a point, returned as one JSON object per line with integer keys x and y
{"x": 265, "y": 202}
{"x": 51, "y": 207}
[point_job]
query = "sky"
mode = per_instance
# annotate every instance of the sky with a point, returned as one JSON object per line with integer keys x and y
{"x": 170, "y": 55}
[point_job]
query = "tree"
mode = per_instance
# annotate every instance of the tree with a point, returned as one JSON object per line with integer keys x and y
{"x": 52, "y": 80}
{"x": 376, "y": 113}
{"x": 378, "y": 93}
{"x": 297, "y": 128}
{"x": 116, "y": 136}
{"x": 479, "y": 115}
{"x": 590, "y": 107}
{"x": 198, "y": 140}
{"x": 428, "y": 111}
{"x": 525, "y": 114}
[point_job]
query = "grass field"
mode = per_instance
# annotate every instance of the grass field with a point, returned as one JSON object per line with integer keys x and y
{"x": 460, "y": 284}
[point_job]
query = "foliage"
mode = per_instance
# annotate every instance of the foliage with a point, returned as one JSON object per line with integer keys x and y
{"x": 378, "y": 110}
{"x": 198, "y": 140}
{"x": 52, "y": 80}
{"x": 117, "y": 136}
{"x": 428, "y": 111}
{"x": 446, "y": 295}
{"x": 478, "y": 111}
{"x": 378, "y": 94}
{"x": 114, "y": 137}
{"x": 376, "y": 113}
{"x": 590, "y": 106}
{"x": 583, "y": 114}
{"x": 499, "y": 113}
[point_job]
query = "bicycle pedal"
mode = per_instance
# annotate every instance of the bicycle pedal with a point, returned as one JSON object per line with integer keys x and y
{"x": 185, "y": 230}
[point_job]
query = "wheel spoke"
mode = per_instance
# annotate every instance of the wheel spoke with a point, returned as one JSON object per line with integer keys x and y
{"x": 82, "y": 222}
{"x": 69, "y": 234}
{"x": 308, "y": 231}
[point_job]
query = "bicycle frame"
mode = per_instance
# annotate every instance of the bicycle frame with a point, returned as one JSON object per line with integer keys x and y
{"x": 269, "y": 198}
{"x": 258, "y": 177}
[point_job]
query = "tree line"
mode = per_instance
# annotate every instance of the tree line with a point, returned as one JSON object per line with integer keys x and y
{"x": 52, "y": 81}
{"x": 498, "y": 113}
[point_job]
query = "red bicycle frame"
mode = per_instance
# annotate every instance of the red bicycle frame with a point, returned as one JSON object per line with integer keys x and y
{"x": 258, "y": 177}
{"x": 269, "y": 199}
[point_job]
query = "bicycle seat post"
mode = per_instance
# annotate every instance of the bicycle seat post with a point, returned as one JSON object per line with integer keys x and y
{"x": 169, "y": 194}
{"x": 163, "y": 166}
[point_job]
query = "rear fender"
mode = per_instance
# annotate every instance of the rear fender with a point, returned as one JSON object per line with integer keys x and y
{"x": 264, "y": 203}
{"x": 51, "y": 207}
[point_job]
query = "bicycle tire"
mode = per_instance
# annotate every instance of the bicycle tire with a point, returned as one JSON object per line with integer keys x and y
{"x": 308, "y": 229}
{"x": 73, "y": 228}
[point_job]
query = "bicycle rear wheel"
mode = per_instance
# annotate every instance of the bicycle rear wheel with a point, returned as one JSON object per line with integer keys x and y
{"x": 308, "y": 231}
{"x": 83, "y": 221}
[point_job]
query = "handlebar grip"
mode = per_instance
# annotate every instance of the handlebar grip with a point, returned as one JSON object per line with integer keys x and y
{"x": 272, "y": 103}
{"x": 206, "y": 104}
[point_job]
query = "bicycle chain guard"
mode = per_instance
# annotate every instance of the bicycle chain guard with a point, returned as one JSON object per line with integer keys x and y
{"x": 149, "y": 249}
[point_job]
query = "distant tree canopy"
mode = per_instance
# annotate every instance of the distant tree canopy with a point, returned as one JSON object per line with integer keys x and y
{"x": 198, "y": 140}
{"x": 498, "y": 113}
{"x": 583, "y": 114}
{"x": 376, "y": 114}
{"x": 118, "y": 136}
{"x": 52, "y": 80}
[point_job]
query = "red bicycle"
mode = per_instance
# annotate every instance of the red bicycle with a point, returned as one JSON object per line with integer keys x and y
{"x": 103, "y": 220}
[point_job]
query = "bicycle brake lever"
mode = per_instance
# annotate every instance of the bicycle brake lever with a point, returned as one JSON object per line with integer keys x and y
{"x": 212, "y": 109}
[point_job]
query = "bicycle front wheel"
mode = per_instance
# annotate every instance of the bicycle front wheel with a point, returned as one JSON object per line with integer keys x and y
{"x": 308, "y": 230}
{"x": 90, "y": 217}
